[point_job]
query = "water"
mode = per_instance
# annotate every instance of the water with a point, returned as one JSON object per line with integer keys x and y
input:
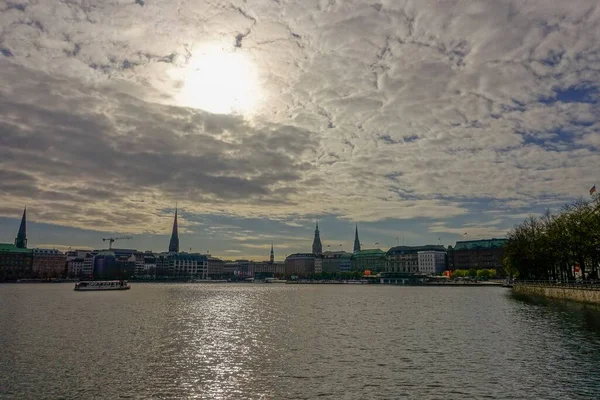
{"x": 293, "y": 342}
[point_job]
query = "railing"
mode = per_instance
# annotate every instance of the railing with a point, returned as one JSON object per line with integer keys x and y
{"x": 589, "y": 285}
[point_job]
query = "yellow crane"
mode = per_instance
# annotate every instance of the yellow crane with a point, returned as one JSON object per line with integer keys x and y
{"x": 112, "y": 239}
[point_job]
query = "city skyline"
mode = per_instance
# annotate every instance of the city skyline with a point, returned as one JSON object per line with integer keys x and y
{"x": 173, "y": 243}
{"x": 418, "y": 120}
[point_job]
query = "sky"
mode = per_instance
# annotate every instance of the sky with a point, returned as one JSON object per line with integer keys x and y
{"x": 419, "y": 121}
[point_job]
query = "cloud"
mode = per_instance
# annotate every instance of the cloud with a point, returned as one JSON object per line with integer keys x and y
{"x": 368, "y": 112}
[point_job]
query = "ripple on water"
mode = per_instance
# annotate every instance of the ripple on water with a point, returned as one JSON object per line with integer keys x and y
{"x": 293, "y": 341}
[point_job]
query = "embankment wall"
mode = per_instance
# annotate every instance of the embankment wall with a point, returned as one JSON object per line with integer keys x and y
{"x": 582, "y": 295}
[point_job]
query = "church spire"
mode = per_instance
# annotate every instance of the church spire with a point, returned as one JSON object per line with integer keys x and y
{"x": 21, "y": 239}
{"x": 174, "y": 242}
{"x": 317, "y": 247}
{"x": 272, "y": 257}
{"x": 356, "y": 241}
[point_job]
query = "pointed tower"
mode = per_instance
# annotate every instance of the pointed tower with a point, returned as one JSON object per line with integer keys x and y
{"x": 174, "y": 242}
{"x": 21, "y": 239}
{"x": 317, "y": 247}
{"x": 356, "y": 241}
{"x": 272, "y": 257}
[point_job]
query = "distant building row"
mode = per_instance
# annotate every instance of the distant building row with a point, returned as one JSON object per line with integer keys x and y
{"x": 18, "y": 262}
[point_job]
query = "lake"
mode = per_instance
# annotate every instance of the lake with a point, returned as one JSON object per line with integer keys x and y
{"x": 277, "y": 341}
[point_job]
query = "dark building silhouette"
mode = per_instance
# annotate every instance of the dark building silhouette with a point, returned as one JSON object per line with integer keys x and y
{"x": 174, "y": 242}
{"x": 317, "y": 247}
{"x": 478, "y": 254}
{"x": 21, "y": 239}
{"x": 356, "y": 241}
{"x": 272, "y": 257}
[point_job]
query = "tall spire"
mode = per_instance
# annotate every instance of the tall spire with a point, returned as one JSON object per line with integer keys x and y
{"x": 356, "y": 241}
{"x": 272, "y": 257}
{"x": 317, "y": 247}
{"x": 21, "y": 239}
{"x": 174, "y": 242}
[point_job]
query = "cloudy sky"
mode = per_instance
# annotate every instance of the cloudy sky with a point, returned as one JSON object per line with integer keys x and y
{"x": 418, "y": 120}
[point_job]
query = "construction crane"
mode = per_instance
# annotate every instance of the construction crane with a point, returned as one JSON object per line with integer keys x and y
{"x": 112, "y": 239}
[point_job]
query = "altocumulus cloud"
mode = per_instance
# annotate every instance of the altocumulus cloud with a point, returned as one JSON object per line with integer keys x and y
{"x": 391, "y": 109}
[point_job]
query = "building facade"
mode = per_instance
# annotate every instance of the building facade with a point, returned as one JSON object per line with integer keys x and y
{"x": 15, "y": 262}
{"x": 48, "y": 263}
{"x": 300, "y": 264}
{"x": 405, "y": 259}
{"x": 182, "y": 266}
{"x": 75, "y": 267}
{"x": 369, "y": 259}
{"x": 337, "y": 261}
{"x": 478, "y": 254}
{"x": 215, "y": 267}
{"x": 431, "y": 262}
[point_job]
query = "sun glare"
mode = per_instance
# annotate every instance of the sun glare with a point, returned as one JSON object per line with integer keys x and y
{"x": 220, "y": 81}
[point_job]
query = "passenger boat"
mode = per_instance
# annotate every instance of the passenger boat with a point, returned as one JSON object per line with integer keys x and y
{"x": 102, "y": 285}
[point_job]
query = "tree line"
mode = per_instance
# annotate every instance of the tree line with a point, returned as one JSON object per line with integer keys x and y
{"x": 555, "y": 245}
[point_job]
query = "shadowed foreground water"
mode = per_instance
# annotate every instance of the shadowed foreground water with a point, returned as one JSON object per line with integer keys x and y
{"x": 293, "y": 341}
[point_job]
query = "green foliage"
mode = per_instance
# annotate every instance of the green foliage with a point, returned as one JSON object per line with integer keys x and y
{"x": 548, "y": 247}
{"x": 483, "y": 273}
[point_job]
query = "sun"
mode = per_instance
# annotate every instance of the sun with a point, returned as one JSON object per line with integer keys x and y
{"x": 220, "y": 81}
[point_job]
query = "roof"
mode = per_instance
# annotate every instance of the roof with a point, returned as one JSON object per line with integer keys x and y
{"x": 48, "y": 251}
{"x": 414, "y": 249}
{"x": 336, "y": 254}
{"x": 11, "y": 248}
{"x": 369, "y": 253}
{"x": 480, "y": 244}
{"x": 301, "y": 255}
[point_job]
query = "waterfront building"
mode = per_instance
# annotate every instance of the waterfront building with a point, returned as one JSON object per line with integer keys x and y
{"x": 337, "y": 261}
{"x": 478, "y": 254}
{"x": 75, "y": 267}
{"x": 15, "y": 262}
{"x": 215, "y": 267}
{"x": 88, "y": 265}
{"x": 356, "y": 241}
{"x": 243, "y": 268}
{"x": 371, "y": 259}
{"x": 182, "y": 265}
{"x": 319, "y": 264}
{"x": 260, "y": 269}
{"x": 105, "y": 265}
{"x": 279, "y": 268}
{"x": 317, "y": 247}
{"x": 405, "y": 259}
{"x": 48, "y": 263}
{"x": 300, "y": 264}
{"x": 149, "y": 264}
{"x": 230, "y": 268}
{"x": 174, "y": 242}
{"x": 431, "y": 262}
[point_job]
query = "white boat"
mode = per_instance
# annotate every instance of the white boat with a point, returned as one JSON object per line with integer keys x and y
{"x": 273, "y": 280}
{"x": 102, "y": 285}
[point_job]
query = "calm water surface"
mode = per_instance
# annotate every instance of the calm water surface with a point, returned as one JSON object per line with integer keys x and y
{"x": 293, "y": 342}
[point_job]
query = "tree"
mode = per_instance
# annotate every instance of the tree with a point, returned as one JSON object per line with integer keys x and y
{"x": 548, "y": 247}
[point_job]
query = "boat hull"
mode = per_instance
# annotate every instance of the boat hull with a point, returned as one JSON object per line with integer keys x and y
{"x": 92, "y": 286}
{"x": 97, "y": 289}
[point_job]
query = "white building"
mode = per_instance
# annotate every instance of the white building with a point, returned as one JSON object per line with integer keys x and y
{"x": 318, "y": 265}
{"x": 75, "y": 267}
{"x": 431, "y": 262}
{"x": 88, "y": 266}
